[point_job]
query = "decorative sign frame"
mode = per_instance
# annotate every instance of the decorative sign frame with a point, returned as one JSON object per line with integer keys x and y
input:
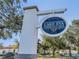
{"x": 53, "y": 25}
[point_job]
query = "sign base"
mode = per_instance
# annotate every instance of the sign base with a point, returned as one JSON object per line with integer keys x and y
{"x": 26, "y": 56}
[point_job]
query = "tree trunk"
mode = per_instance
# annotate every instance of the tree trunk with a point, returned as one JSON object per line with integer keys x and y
{"x": 53, "y": 52}
{"x": 14, "y": 50}
{"x": 70, "y": 54}
{"x": 44, "y": 51}
{"x": 78, "y": 50}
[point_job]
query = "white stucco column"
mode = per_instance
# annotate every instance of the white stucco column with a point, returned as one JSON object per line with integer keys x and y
{"x": 29, "y": 33}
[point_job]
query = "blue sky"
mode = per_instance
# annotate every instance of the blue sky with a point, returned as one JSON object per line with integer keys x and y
{"x": 9, "y": 42}
{"x": 71, "y": 5}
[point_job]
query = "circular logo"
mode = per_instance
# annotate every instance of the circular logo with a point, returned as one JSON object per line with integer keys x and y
{"x": 54, "y": 26}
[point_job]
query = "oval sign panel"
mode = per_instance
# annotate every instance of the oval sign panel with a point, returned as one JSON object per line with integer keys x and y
{"x": 53, "y": 26}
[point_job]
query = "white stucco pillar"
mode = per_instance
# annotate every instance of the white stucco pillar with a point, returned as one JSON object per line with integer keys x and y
{"x": 29, "y": 33}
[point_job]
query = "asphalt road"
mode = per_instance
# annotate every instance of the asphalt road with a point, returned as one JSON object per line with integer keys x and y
{"x": 0, "y": 57}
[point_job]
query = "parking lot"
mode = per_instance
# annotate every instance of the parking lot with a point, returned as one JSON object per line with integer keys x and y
{"x": 0, "y": 57}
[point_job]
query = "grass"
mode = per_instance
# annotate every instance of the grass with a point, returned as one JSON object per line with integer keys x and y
{"x": 43, "y": 57}
{"x": 48, "y": 58}
{"x": 67, "y": 57}
{"x": 57, "y": 58}
{"x": 70, "y": 58}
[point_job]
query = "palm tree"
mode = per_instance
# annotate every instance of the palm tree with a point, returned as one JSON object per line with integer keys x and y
{"x": 45, "y": 45}
{"x": 11, "y": 15}
{"x": 54, "y": 43}
{"x": 39, "y": 46}
{"x": 75, "y": 25}
{"x": 72, "y": 35}
{"x": 68, "y": 36}
{"x": 1, "y": 45}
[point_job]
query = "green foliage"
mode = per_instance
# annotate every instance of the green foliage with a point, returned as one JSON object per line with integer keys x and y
{"x": 11, "y": 15}
{"x": 69, "y": 40}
